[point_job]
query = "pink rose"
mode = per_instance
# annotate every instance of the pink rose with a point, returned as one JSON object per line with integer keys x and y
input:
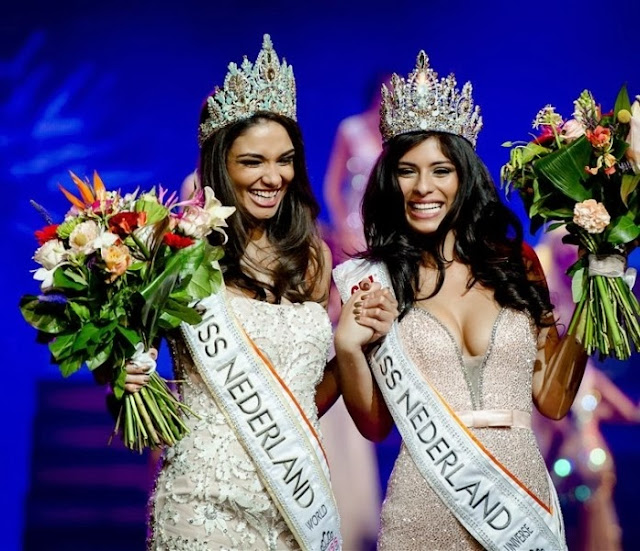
{"x": 572, "y": 130}
{"x": 117, "y": 260}
{"x": 591, "y": 215}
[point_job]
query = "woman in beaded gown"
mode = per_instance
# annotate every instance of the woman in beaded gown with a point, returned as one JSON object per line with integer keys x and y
{"x": 208, "y": 493}
{"x": 475, "y": 317}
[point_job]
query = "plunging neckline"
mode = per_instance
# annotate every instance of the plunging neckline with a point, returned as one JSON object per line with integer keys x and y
{"x": 458, "y": 349}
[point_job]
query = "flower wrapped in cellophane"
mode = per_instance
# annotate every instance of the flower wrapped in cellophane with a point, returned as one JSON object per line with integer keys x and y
{"x": 582, "y": 174}
{"x": 118, "y": 271}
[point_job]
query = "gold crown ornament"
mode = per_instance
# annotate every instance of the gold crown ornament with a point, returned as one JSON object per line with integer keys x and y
{"x": 267, "y": 85}
{"x": 422, "y": 102}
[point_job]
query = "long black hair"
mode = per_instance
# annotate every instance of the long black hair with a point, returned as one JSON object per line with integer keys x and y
{"x": 292, "y": 231}
{"x": 488, "y": 235}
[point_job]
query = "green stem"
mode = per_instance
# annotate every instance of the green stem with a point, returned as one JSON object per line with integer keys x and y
{"x": 144, "y": 414}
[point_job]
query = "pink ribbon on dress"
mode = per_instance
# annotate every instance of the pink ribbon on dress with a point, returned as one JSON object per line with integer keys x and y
{"x": 483, "y": 418}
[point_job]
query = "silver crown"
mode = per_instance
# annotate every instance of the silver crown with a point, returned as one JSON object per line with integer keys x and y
{"x": 266, "y": 85}
{"x": 422, "y": 102}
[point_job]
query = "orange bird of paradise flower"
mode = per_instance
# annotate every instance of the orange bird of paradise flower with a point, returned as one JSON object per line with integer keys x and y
{"x": 89, "y": 194}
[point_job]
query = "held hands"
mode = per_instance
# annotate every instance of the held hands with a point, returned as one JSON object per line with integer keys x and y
{"x": 139, "y": 368}
{"x": 367, "y": 316}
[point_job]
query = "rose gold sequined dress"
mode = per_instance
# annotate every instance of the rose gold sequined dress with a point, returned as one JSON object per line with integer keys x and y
{"x": 208, "y": 494}
{"x": 413, "y": 517}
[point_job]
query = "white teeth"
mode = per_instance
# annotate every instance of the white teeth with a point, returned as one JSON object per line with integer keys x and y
{"x": 426, "y": 206}
{"x": 265, "y": 194}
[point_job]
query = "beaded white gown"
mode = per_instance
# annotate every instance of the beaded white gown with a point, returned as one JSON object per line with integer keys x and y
{"x": 208, "y": 494}
{"x": 413, "y": 516}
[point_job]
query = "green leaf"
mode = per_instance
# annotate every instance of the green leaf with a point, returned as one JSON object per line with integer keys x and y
{"x": 99, "y": 358}
{"x": 62, "y": 346}
{"x": 118, "y": 384}
{"x": 185, "y": 313}
{"x": 628, "y": 186}
{"x": 577, "y": 285}
{"x": 556, "y": 214}
{"x": 129, "y": 334}
{"x": 622, "y": 230}
{"x": 167, "y": 321}
{"x": 88, "y": 333}
{"x": 531, "y": 151}
{"x": 46, "y": 317}
{"x": 565, "y": 169}
{"x": 70, "y": 365}
{"x": 136, "y": 266}
{"x": 622, "y": 101}
{"x": 73, "y": 275}
{"x": 64, "y": 278}
{"x": 80, "y": 310}
{"x": 155, "y": 211}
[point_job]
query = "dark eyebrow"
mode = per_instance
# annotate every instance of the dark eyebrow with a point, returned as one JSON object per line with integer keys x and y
{"x": 256, "y": 156}
{"x": 437, "y": 163}
{"x": 259, "y": 157}
{"x": 288, "y": 153}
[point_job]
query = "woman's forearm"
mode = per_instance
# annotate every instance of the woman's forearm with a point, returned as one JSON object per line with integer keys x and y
{"x": 560, "y": 373}
{"x": 361, "y": 394}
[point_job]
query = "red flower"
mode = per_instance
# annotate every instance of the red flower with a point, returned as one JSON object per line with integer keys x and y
{"x": 545, "y": 137}
{"x": 124, "y": 223}
{"x": 47, "y": 234}
{"x": 177, "y": 241}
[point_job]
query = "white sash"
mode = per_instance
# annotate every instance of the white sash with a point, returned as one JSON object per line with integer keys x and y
{"x": 489, "y": 501}
{"x": 268, "y": 422}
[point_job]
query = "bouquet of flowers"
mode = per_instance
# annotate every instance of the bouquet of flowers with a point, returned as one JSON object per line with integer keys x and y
{"x": 115, "y": 272}
{"x": 582, "y": 174}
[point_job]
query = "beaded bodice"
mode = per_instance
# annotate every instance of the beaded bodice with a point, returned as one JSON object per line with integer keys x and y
{"x": 208, "y": 489}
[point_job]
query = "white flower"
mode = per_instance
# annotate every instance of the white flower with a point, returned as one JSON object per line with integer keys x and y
{"x": 633, "y": 138}
{"x": 591, "y": 215}
{"x": 51, "y": 254}
{"x": 572, "y": 130}
{"x": 83, "y": 236}
{"x": 218, "y": 213}
{"x": 105, "y": 240}
{"x": 45, "y": 276}
{"x": 547, "y": 116}
{"x": 198, "y": 222}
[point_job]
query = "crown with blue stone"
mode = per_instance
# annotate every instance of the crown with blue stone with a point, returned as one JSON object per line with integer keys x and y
{"x": 266, "y": 85}
{"x": 424, "y": 102}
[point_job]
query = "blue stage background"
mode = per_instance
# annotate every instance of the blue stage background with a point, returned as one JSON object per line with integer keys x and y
{"x": 117, "y": 86}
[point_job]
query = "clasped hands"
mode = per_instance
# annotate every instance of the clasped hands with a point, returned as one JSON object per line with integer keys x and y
{"x": 367, "y": 316}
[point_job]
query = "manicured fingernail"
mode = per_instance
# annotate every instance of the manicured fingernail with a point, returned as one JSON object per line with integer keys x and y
{"x": 357, "y": 304}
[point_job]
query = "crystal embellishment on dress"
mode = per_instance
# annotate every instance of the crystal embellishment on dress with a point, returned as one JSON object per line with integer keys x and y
{"x": 424, "y": 102}
{"x": 267, "y": 85}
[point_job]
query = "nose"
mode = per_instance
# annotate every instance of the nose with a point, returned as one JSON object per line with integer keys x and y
{"x": 424, "y": 184}
{"x": 272, "y": 176}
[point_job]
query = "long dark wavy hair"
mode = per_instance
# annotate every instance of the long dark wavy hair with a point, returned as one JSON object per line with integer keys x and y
{"x": 488, "y": 235}
{"x": 292, "y": 231}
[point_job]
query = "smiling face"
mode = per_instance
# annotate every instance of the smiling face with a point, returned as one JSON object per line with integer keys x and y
{"x": 260, "y": 165}
{"x": 429, "y": 184}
